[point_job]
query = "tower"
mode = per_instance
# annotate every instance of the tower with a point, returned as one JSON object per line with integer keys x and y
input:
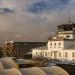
{"x": 69, "y": 20}
{"x": 67, "y": 31}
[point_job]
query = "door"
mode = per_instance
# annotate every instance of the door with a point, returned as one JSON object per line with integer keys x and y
{"x": 55, "y": 55}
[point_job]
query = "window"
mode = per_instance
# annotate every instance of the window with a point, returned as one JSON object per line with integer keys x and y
{"x": 54, "y": 44}
{"x": 59, "y": 54}
{"x": 66, "y": 55}
{"x": 45, "y": 53}
{"x": 60, "y": 37}
{"x": 59, "y": 43}
{"x": 67, "y": 36}
{"x": 73, "y": 54}
{"x": 36, "y": 53}
{"x": 50, "y": 44}
{"x": 51, "y": 53}
{"x": 40, "y": 53}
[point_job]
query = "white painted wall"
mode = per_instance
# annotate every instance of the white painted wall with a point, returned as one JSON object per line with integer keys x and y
{"x": 57, "y": 47}
{"x": 64, "y": 45}
{"x": 69, "y": 55}
{"x": 38, "y": 53}
{"x": 47, "y": 54}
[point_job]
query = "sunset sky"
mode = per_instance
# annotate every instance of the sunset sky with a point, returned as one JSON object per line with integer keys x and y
{"x": 33, "y": 20}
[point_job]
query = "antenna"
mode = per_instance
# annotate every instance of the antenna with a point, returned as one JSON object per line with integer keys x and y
{"x": 69, "y": 20}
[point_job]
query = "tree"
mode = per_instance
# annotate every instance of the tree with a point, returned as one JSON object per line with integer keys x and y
{"x": 41, "y": 61}
{"x": 1, "y": 52}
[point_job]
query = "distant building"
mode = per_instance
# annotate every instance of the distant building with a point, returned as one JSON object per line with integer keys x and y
{"x": 61, "y": 46}
{"x": 21, "y": 49}
{"x": 8, "y": 48}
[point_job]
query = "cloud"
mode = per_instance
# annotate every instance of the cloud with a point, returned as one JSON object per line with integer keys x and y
{"x": 47, "y": 5}
{"x": 7, "y": 6}
{"x": 7, "y": 10}
{"x": 27, "y": 25}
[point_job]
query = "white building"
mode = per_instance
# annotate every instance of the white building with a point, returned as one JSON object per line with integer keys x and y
{"x": 61, "y": 46}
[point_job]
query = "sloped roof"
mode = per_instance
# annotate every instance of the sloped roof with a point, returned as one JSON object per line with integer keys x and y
{"x": 24, "y": 61}
{"x": 28, "y": 53}
{"x": 1, "y": 67}
{"x": 33, "y": 71}
{"x": 12, "y": 71}
{"x": 54, "y": 70}
{"x": 8, "y": 63}
{"x": 71, "y": 47}
{"x": 41, "y": 48}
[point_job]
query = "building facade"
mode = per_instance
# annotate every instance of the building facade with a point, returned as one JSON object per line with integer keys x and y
{"x": 61, "y": 46}
{"x": 20, "y": 49}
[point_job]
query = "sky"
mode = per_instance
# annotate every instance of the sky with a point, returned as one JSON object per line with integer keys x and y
{"x": 33, "y": 20}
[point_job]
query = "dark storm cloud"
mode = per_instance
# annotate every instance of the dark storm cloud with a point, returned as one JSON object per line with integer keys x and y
{"x": 7, "y": 10}
{"x": 47, "y": 5}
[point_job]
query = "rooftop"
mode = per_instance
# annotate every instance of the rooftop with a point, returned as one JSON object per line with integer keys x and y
{"x": 41, "y": 48}
{"x": 67, "y": 24}
{"x": 71, "y": 47}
